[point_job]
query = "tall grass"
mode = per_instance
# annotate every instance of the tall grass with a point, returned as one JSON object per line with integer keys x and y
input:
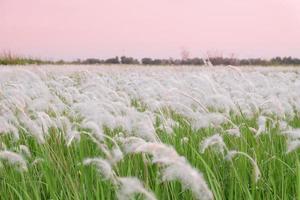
{"x": 136, "y": 133}
{"x": 59, "y": 173}
{"x": 8, "y": 58}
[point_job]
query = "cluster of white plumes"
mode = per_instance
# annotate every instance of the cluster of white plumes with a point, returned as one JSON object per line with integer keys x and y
{"x": 217, "y": 143}
{"x": 19, "y": 158}
{"x": 172, "y": 165}
{"x": 37, "y": 99}
{"x": 77, "y": 100}
{"x": 127, "y": 187}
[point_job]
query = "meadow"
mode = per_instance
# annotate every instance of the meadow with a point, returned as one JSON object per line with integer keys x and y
{"x": 135, "y": 132}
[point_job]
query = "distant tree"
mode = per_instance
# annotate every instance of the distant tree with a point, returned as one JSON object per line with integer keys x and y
{"x": 129, "y": 60}
{"x": 244, "y": 62}
{"x": 60, "y": 62}
{"x": 114, "y": 60}
{"x": 216, "y": 60}
{"x": 287, "y": 60}
{"x": 77, "y": 61}
{"x": 276, "y": 61}
{"x": 165, "y": 62}
{"x": 177, "y": 62}
{"x": 147, "y": 61}
{"x": 197, "y": 61}
{"x": 157, "y": 62}
{"x": 91, "y": 61}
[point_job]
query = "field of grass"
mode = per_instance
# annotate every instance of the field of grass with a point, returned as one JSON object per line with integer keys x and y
{"x": 160, "y": 133}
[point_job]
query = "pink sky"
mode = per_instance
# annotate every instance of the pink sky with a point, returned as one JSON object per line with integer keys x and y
{"x": 157, "y": 28}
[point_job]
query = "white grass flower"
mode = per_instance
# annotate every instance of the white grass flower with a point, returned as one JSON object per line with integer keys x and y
{"x": 24, "y": 150}
{"x": 216, "y": 119}
{"x": 94, "y": 128}
{"x": 14, "y": 159}
{"x": 172, "y": 166}
{"x": 292, "y": 133}
{"x": 292, "y": 145}
{"x": 162, "y": 154}
{"x": 130, "y": 186}
{"x": 33, "y": 129}
{"x": 64, "y": 124}
{"x": 6, "y": 127}
{"x": 234, "y": 132}
{"x": 130, "y": 144}
{"x": 168, "y": 125}
{"x": 283, "y": 126}
{"x": 102, "y": 166}
{"x": 45, "y": 121}
{"x": 116, "y": 155}
{"x": 71, "y": 136}
{"x": 261, "y": 125}
{"x": 146, "y": 130}
{"x": 215, "y": 141}
{"x": 231, "y": 154}
{"x": 190, "y": 179}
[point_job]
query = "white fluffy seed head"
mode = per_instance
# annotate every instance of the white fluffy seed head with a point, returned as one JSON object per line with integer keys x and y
{"x": 292, "y": 145}
{"x": 292, "y": 133}
{"x": 33, "y": 128}
{"x": 161, "y": 153}
{"x": 261, "y": 125}
{"x": 145, "y": 130}
{"x": 71, "y": 135}
{"x": 6, "y": 127}
{"x": 116, "y": 155}
{"x": 230, "y": 154}
{"x": 190, "y": 179}
{"x": 283, "y": 126}
{"x": 234, "y": 132}
{"x": 102, "y": 166}
{"x": 172, "y": 166}
{"x": 130, "y": 186}
{"x": 130, "y": 144}
{"x": 14, "y": 159}
{"x": 94, "y": 128}
{"x": 215, "y": 141}
{"x": 24, "y": 150}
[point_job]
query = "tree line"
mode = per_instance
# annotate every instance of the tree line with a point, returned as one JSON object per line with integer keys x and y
{"x": 211, "y": 61}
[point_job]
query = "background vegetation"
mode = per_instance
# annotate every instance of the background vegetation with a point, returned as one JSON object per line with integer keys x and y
{"x": 10, "y": 59}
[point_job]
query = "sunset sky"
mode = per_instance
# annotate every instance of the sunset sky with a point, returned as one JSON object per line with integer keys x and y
{"x": 72, "y": 29}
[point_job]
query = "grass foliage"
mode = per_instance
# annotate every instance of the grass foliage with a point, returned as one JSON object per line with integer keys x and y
{"x": 59, "y": 174}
